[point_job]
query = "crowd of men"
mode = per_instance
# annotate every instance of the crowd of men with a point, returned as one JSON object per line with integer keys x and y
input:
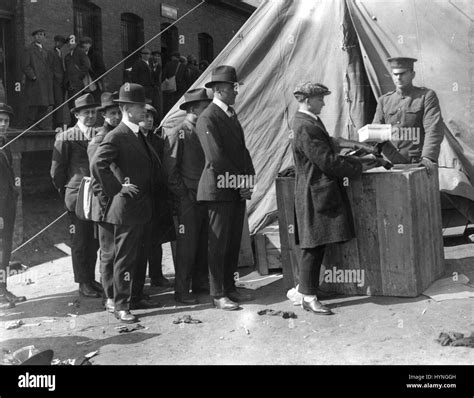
{"x": 52, "y": 76}
{"x": 148, "y": 189}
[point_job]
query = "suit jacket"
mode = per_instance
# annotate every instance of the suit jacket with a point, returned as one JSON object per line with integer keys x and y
{"x": 142, "y": 74}
{"x": 8, "y": 193}
{"x": 418, "y": 117}
{"x": 97, "y": 67}
{"x": 70, "y": 163}
{"x": 99, "y": 200}
{"x": 58, "y": 67}
{"x": 37, "y": 65}
{"x": 77, "y": 66}
{"x": 322, "y": 208}
{"x": 172, "y": 69}
{"x": 138, "y": 163}
{"x": 163, "y": 224}
{"x": 222, "y": 139}
{"x": 184, "y": 158}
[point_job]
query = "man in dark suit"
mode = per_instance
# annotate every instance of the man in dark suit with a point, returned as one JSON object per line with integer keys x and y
{"x": 8, "y": 196}
{"x": 184, "y": 161}
{"x": 97, "y": 68}
{"x": 77, "y": 65}
{"x": 37, "y": 66}
{"x": 322, "y": 208}
{"x": 142, "y": 73}
{"x": 162, "y": 226}
{"x": 174, "y": 68}
{"x": 157, "y": 97}
{"x": 130, "y": 201}
{"x": 58, "y": 80}
{"x": 225, "y": 184}
{"x": 70, "y": 164}
{"x": 112, "y": 116}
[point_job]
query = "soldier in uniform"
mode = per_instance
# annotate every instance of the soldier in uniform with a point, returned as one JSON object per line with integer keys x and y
{"x": 184, "y": 161}
{"x": 415, "y": 116}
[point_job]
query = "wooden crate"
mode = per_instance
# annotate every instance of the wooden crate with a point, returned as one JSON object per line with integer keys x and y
{"x": 398, "y": 244}
{"x": 267, "y": 249}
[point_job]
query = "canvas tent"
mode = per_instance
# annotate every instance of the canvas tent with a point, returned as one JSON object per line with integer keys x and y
{"x": 344, "y": 44}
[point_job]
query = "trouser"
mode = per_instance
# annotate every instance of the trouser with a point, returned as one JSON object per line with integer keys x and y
{"x": 35, "y": 113}
{"x": 125, "y": 242}
{"x": 191, "y": 246}
{"x": 226, "y": 220}
{"x": 84, "y": 249}
{"x": 139, "y": 271}
{"x": 6, "y": 239}
{"x": 107, "y": 257}
{"x": 310, "y": 268}
{"x": 155, "y": 258}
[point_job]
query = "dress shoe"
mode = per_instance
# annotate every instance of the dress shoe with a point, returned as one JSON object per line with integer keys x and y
{"x": 316, "y": 307}
{"x": 160, "y": 282}
{"x": 98, "y": 288}
{"x": 9, "y": 297}
{"x": 125, "y": 316}
{"x": 86, "y": 290}
{"x": 143, "y": 304}
{"x": 110, "y": 305}
{"x": 239, "y": 297}
{"x": 224, "y": 303}
{"x": 185, "y": 298}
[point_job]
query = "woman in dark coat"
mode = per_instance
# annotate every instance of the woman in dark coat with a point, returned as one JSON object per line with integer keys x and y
{"x": 322, "y": 208}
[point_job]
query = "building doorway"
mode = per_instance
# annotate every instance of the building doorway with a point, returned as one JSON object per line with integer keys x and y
{"x": 169, "y": 42}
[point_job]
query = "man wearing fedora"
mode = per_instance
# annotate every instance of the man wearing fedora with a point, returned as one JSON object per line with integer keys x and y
{"x": 161, "y": 228}
{"x": 58, "y": 80}
{"x": 70, "y": 164}
{"x": 413, "y": 110}
{"x": 226, "y": 158}
{"x": 112, "y": 116}
{"x": 8, "y": 196}
{"x": 37, "y": 65}
{"x": 129, "y": 201}
{"x": 184, "y": 161}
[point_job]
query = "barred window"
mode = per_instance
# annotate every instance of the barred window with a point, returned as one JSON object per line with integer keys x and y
{"x": 88, "y": 22}
{"x": 206, "y": 47}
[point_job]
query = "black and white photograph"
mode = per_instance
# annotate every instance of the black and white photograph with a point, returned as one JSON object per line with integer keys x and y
{"x": 237, "y": 182}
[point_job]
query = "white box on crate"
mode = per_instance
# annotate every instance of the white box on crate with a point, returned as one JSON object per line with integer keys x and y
{"x": 375, "y": 132}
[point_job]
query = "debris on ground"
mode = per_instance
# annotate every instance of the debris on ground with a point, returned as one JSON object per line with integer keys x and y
{"x": 128, "y": 329}
{"x": 186, "y": 319}
{"x": 32, "y": 324}
{"x": 284, "y": 314}
{"x": 246, "y": 330}
{"x": 72, "y": 315}
{"x": 14, "y": 324}
{"x": 455, "y": 339}
{"x": 91, "y": 354}
{"x": 29, "y": 282}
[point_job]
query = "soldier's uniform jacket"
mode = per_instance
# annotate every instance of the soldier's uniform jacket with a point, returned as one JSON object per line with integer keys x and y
{"x": 416, "y": 108}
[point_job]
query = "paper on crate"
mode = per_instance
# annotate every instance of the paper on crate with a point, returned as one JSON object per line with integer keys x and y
{"x": 375, "y": 132}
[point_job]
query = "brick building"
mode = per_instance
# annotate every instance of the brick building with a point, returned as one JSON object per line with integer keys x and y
{"x": 117, "y": 28}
